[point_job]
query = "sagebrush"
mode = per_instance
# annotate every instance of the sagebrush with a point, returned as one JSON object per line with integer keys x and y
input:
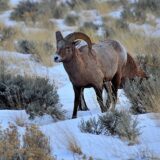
{"x": 91, "y": 126}
{"x": 26, "y": 11}
{"x": 33, "y": 11}
{"x": 34, "y": 94}
{"x": 7, "y": 36}
{"x": 4, "y": 5}
{"x": 42, "y": 51}
{"x": 113, "y": 123}
{"x": 71, "y": 19}
{"x": 122, "y": 124}
{"x": 133, "y": 11}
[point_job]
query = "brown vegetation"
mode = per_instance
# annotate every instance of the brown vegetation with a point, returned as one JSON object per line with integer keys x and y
{"x": 35, "y": 144}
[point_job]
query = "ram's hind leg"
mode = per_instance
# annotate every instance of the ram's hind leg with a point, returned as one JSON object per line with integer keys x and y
{"x": 82, "y": 104}
{"x": 100, "y": 98}
{"x": 115, "y": 85}
{"x": 108, "y": 89}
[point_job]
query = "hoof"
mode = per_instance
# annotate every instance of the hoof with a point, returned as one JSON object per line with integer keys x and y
{"x": 86, "y": 109}
{"x": 73, "y": 117}
{"x": 83, "y": 109}
{"x": 80, "y": 109}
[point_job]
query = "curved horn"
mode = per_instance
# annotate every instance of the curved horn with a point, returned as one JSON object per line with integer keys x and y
{"x": 78, "y": 35}
{"x": 58, "y": 36}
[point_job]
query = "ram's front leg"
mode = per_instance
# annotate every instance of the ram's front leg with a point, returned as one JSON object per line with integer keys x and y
{"x": 77, "y": 98}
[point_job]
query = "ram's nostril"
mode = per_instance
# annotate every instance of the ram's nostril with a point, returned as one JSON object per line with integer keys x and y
{"x": 55, "y": 58}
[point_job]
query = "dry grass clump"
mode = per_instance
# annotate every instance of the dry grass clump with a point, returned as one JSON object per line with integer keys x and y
{"x": 113, "y": 123}
{"x": 71, "y": 141}
{"x": 39, "y": 43}
{"x": 73, "y": 145}
{"x": 87, "y": 26}
{"x": 148, "y": 6}
{"x": 78, "y": 5}
{"x": 131, "y": 41}
{"x": 35, "y": 144}
{"x": 19, "y": 119}
{"x": 59, "y": 11}
{"x": 26, "y": 11}
{"x": 42, "y": 51}
{"x": 115, "y": 28}
{"x": 136, "y": 16}
{"x": 133, "y": 11}
{"x": 32, "y": 12}
{"x": 102, "y": 7}
{"x": 136, "y": 42}
{"x": 4, "y": 5}
{"x": 144, "y": 95}
{"x": 8, "y": 36}
{"x": 71, "y": 19}
{"x": 105, "y": 7}
{"x": 91, "y": 33}
{"x": 54, "y": 9}
{"x": 9, "y": 143}
{"x": 145, "y": 153}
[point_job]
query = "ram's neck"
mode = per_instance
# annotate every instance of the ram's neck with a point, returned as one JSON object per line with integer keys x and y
{"x": 74, "y": 67}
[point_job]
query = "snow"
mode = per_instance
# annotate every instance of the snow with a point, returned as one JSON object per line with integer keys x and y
{"x": 5, "y": 18}
{"x": 132, "y": 1}
{"x": 116, "y": 14}
{"x": 60, "y": 24}
{"x": 147, "y": 29}
{"x": 91, "y": 16}
{"x": 15, "y": 2}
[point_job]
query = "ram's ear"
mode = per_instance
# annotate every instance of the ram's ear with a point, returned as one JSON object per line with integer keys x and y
{"x": 59, "y": 36}
{"x": 77, "y": 42}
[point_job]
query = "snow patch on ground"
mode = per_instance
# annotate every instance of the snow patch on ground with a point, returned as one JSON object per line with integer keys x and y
{"x": 116, "y": 14}
{"x": 4, "y": 18}
{"x": 147, "y": 29}
{"x": 60, "y": 23}
{"x": 15, "y": 2}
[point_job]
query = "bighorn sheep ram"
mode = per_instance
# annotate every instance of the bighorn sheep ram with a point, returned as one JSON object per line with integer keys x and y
{"x": 92, "y": 65}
